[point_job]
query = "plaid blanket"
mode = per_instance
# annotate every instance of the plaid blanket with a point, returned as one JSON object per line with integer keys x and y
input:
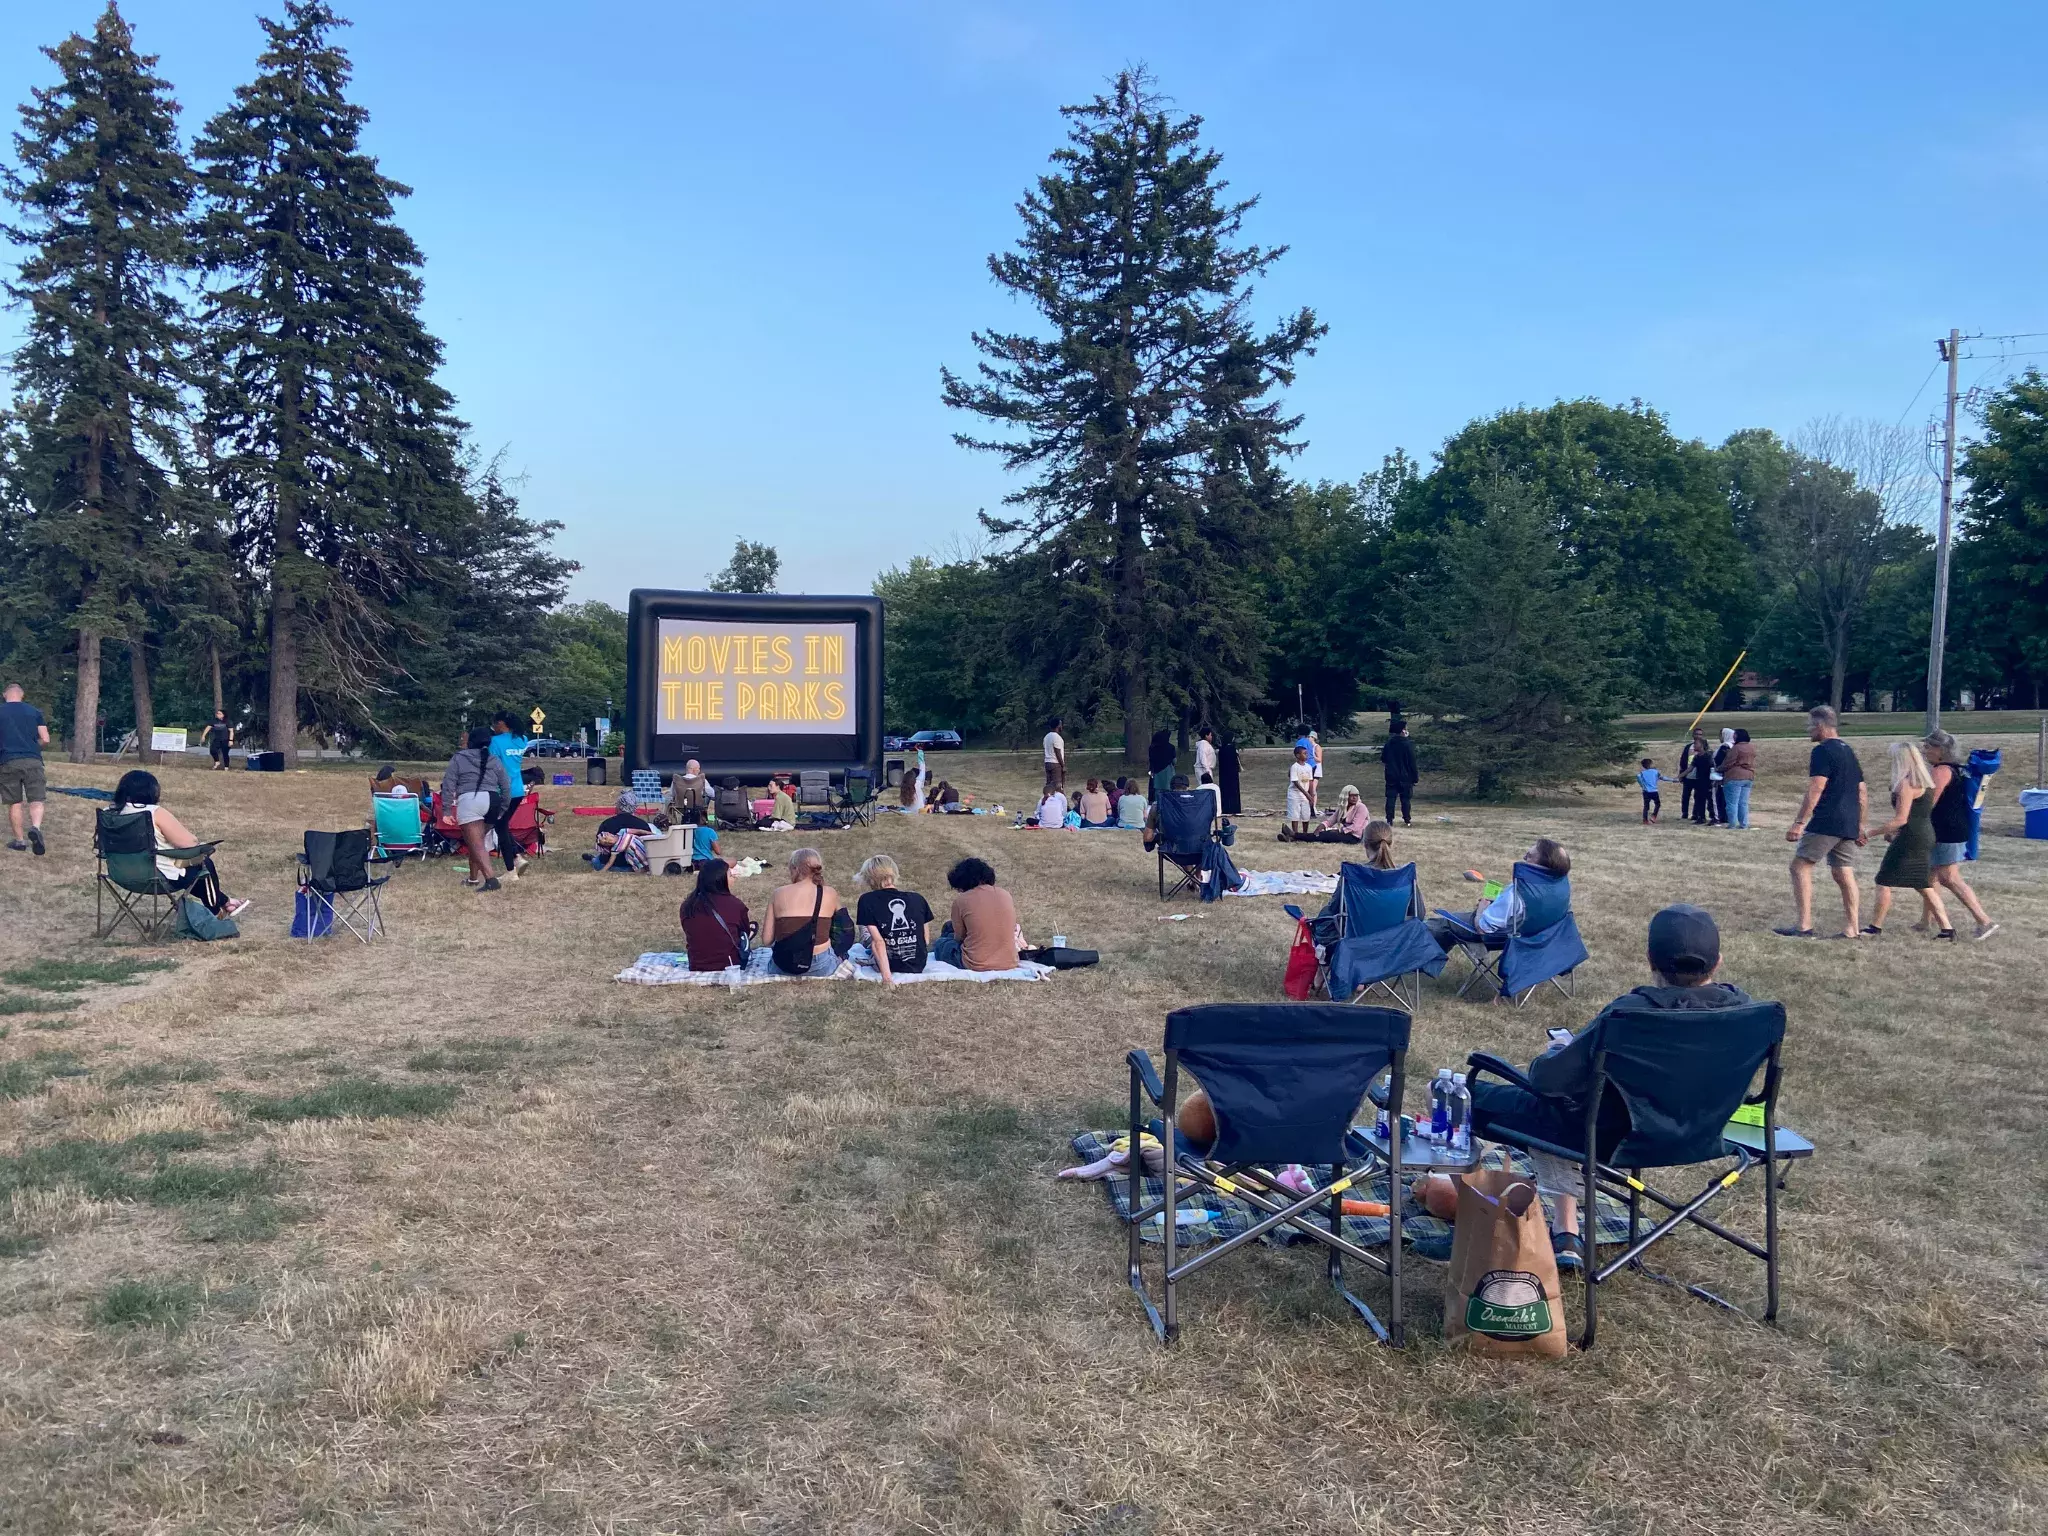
{"x": 671, "y": 969}
{"x": 1223, "y": 1217}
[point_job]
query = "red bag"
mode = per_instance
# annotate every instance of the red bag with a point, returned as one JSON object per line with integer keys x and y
{"x": 1300, "y": 979}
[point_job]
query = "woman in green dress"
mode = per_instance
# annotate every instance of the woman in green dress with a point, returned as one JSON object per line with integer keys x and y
{"x": 1908, "y": 862}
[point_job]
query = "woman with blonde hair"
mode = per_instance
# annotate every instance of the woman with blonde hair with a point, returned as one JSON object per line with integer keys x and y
{"x": 801, "y": 912}
{"x": 1951, "y": 818}
{"x": 1908, "y": 861}
{"x": 1379, "y": 844}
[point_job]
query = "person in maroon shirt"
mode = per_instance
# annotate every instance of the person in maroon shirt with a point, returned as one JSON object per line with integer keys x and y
{"x": 715, "y": 925}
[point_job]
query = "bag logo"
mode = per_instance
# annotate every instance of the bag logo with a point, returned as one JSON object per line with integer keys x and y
{"x": 1508, "y": 1304}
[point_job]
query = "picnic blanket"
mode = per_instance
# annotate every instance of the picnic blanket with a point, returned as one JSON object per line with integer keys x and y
{"x": 1222, "y": 1217}
{"x": 1285, "y": 882}
{"x": 660, "y": 969}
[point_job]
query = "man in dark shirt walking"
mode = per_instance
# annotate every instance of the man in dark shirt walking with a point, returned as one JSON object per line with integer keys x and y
{"x": 1397, "y": 760}
{"x": 23, "y": 735}
{"x": 1829, "y": 824}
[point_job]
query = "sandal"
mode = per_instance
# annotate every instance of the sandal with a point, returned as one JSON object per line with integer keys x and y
{"x": 1793, "y": 933}
{"x": 1871, "y": 930}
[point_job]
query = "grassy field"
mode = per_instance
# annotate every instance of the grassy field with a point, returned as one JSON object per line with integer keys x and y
{"x": 454, "y": 1234}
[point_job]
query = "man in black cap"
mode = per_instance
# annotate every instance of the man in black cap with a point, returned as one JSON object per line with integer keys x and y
{"x": 1684, "y": 954}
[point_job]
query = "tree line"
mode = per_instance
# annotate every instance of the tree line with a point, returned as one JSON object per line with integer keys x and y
{"x": 1550, "y": 569}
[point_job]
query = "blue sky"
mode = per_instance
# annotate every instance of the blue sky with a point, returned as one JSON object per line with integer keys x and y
{"x": 697, "y": 267}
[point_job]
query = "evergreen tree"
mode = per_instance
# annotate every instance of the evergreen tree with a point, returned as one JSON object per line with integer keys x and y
{"x": 1144, "y": 412}
{"x": 334, "y": 446}
{"x": 103, "y": 193}
{"x": 1514, "y": 656}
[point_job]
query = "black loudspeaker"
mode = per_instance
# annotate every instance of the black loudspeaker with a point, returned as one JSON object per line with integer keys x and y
{"x": 266, "y": 762}
{"x": 594, "y": 770}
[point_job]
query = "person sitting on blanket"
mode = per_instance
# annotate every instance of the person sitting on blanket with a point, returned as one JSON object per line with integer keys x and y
{"x": 785, "y": 804}
{"x": 981, "y": 932}
{"x": 1499, "y": 914}
{"x": 944, "y": 798}
{"x": 619, "y": 837}
{"x": 1130, "y": 805}
{"x": 808, "y": 900}
{"x": 1093, "y": 804}
{"x": 715, "y": 925}
{"x": 896, "y": 924}
{"x": 1684, "y": 952}
{"x": 1052, "y": 809}
{"x": 1151, "y": 839}
{"x": 1351, "y": 820}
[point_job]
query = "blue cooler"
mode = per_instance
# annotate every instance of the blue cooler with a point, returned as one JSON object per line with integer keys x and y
{"x": 2035, "y": 803}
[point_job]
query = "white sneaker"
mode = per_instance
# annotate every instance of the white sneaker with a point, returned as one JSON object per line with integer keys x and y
{"x": 237, "y": 907}
{"x": 1984, "y": 931}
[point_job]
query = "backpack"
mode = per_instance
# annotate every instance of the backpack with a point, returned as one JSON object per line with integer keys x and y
{"x": 195, "y": 921}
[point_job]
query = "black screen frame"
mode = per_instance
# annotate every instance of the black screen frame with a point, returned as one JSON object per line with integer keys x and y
{"x": 750, "y": 755}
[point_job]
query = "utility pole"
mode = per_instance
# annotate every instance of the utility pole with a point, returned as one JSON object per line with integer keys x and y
{"x": 1937, "y": 639}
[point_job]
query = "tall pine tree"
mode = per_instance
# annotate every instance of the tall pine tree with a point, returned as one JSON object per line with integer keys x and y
{"x": 334, "y": 447}
{"x": 103, "y": 193}
{"x": 1143, "y": 413}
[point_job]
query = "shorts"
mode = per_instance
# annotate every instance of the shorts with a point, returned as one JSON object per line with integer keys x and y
{"x": 1949, "y": 853}
{"x": 21, "y": 778}
{"x": 474, "y": 806}
{"x": 1840, "y": 852}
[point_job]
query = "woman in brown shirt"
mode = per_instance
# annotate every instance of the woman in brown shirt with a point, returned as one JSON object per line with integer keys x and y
{"x": 1738, "y": 776}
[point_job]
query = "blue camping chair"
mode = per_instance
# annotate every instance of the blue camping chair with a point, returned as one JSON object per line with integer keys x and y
{"x": 1542, "y": 944}
{"x": 1680, "y": 1076}
{"x": 1285, "y": 1080}
{"x": 1186, "y": 831}
{"x": 1370, "y": 940}
{"x": 400, "y": 830}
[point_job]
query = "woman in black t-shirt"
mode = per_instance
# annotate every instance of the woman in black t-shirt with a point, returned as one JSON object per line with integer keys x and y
{"x": 896, "y": 924}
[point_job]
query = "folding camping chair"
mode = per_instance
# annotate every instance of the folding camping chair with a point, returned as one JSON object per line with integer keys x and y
{"x": 1681, "y": 1077}
{"x": 1372, "y": 939}
{"x": 1541, "y": 944}
{"x": 1285, "y": 1080}
{"x": 125, "y": 872}
{"x": 857, "y": 799}
{"x": 732, "y": 808}
{"x": 335, "y": 880}
{"x": 400, "y": 825}
{"x": 1186, "y": 829}
{"x": 814, "y": 795}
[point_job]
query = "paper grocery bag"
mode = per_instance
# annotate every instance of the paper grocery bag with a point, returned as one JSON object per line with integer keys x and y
{"x": 1500, "y": 1291}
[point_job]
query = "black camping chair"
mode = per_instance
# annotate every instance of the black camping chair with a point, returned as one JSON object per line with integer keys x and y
{"x": 857, "y": 799}
{"x": 1285, "y": 1080}
{"x": 1187, "y": 826}
{"x": 734, "y": 811}
{"x": 1681, "y": 1077}
{"x": 334, "y": 875}
{"x": 126, "y": 875}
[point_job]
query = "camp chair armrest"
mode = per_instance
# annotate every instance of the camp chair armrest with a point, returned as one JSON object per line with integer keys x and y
{"x": 190, "y": 855}
{"x": 1486, "y": 1061}
{"x": 1148, "y": 1075}
{"x": 1537, "y": 1144}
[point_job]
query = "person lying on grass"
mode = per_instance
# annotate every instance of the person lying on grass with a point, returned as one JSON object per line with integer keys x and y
{"x": 1501, "y": 913}
{"x": 1684, "y": 952}
{"x": 896, "y": 924}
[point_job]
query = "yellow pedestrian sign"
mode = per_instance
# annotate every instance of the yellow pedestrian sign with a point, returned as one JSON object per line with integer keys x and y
{"x": 539, "y": 715}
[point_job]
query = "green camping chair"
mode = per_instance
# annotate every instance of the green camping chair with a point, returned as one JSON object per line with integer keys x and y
{"x": 857, "y": 800}
{"x": 127, "y": 875}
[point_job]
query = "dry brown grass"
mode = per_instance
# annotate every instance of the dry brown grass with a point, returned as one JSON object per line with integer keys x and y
{"x": 791, "y": 1259}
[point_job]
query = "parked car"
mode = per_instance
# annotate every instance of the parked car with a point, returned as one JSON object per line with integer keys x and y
{"x": 548, "y": 746}
{"x": 935, "y": 741}
{"x": 894, "y": 743}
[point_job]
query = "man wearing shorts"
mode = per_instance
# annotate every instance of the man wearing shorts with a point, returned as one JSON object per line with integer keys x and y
{"x": 23, "y": 735}
{"x": 1829, "y": 825}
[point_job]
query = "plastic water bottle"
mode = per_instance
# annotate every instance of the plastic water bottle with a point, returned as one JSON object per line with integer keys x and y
{"x": 1461, "y": 1116}
{"x": 1440, "y": 1108}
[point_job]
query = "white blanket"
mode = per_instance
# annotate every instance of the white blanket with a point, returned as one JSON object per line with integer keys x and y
{"x": 1285, "y": 882}
{"x": 673, "y": 970}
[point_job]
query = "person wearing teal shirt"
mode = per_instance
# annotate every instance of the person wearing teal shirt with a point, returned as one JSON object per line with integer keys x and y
{"x": 508, "y": 746}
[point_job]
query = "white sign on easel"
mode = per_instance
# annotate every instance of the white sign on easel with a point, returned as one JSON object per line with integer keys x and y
{"x": 167, "y": 738}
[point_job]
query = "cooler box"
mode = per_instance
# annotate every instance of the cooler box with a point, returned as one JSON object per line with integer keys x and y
{"x": 2035, "y": 803}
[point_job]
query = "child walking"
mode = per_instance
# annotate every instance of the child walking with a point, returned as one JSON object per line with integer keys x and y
{"x": 1653, "y": 802}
